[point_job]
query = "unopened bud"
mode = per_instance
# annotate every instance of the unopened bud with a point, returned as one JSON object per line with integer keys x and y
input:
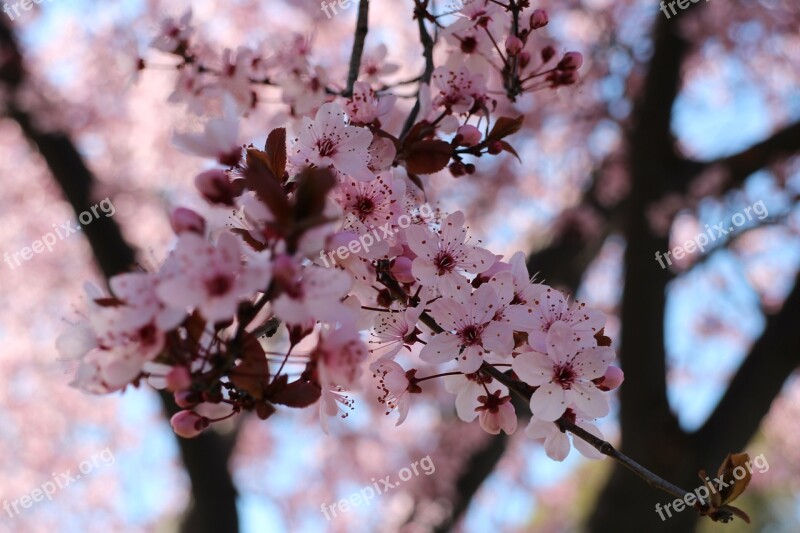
{"x": 612, "y": 379}
{"x": 185, "y": 220}
{"x": 179, "y": 379}
{"x": 470, "y": 135}
{"x": 547, "y": 53}
{"x": 457, "y": 169}
{"x": 186, "y": 398}
{"x": 188, "y": 424}
{"x": 514, "y": 45}
{"x": 524, "y": 59}
{"x": 215, "y": 186}
{"x": 571, "y": 61}
{"x": 539, "y": 19}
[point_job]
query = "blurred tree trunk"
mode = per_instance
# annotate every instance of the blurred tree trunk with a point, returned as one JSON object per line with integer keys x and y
{"x": 213, "y": 507}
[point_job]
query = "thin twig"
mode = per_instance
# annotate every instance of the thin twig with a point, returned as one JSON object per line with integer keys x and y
{"x": 362, "y": 28}
{"x": 421, "y": 7}
{"x": 600, "y": 445}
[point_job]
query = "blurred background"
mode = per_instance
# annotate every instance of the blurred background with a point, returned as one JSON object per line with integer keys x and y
{"x": 676, "y": 124}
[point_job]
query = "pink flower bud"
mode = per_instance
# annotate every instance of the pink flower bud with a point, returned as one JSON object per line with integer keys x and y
{"x": 216, "y": 187}
{"x": 284, "y": 269}
{"x": 571, "y": 61}
{"x": 185, "y": 220}
{"x": 547, "y": 53}
{"x": 514, "y": 45}
{"x": 539, "y": 19}
{"x": 612, "y": 379}
{"x": 186, "y": 399}
{"x": 524, "y": 59}
{"x": 179, "y": 379}
{"x": 188, "y": 424}
{"x": 470, "y": 135}
{"x": 401, "y": 270}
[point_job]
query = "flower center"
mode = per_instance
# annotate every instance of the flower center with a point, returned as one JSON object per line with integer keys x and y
{"x": 444, "y": 262}
{"x": 471, "y": 335}
{"x": 564, "y": 375}
{"x": 365, "y": 207}
{"x": 219, "y": 285}
{"x": 469, "y": 45}
{"x": 326, "y": 147}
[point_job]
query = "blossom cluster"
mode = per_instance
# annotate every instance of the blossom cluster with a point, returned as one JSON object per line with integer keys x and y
{"x": 426, "y": 297}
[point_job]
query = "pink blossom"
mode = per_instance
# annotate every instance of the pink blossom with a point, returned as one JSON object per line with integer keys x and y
{"x": 470, "y": 331}
{"x": 557, "y": 443}
{"x": 442, "y": 254}
{"x": 312, "y": 293}
{"x": 214, "y": 279}
{"x": 468, "y": 388}
{"x": 374, "y": 65}
{"x": 219, "y": 140}
{"x": 365, "y": 106}
{"x": 497, "y": 413}
{"x": 549, "y": 307}
{"x": 395, "y": 386}
{"x": 173, "y": 33}
{"x": 459, "y": 90}
{"x": 327, "y": 141}
{"x": 394, "y": 330}
{"x": 564, "y": 374}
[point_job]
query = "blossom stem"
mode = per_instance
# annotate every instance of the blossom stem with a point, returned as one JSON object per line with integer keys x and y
{"x": 600, "y": 445}
{"x": 426, "y": 378}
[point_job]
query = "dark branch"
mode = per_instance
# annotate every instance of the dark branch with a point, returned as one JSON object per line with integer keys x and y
{"x": 362, "y": 28}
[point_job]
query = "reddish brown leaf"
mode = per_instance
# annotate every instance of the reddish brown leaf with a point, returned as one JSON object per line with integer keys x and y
{"x": 510, "y": 149}
{"x": 266, "y": 186}
{"x": 299, "y": 393}
{"x": 504, "y": 127}
{"x": 427, "y": 157}
{"x": 251, "y": 374}
{"x": 276, "y": 152}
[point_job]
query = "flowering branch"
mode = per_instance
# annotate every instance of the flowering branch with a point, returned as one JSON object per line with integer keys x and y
{"x": 600, "y": 445}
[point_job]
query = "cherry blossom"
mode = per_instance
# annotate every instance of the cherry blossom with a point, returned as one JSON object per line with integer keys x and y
{"x": 564, "y": 374}
{"x": 219, "y": 140}
{"x": 395, "y": 386}
{"x": 470, "y": 331}
{"x": 214, "y": 279}
{"x": 327, "y": 141}
{"x": 468, "y": 388}
{"x": 393, "y": 331}
{"x": 311, "y": 293}
{"x": 549, "y": 307}
{"x": 441, "y": 254}
{"x": 557, "y": 443}
{"x": 366, "y": 107}
{"x": 174, "y": 33}
{"x": 497, "y": 413}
